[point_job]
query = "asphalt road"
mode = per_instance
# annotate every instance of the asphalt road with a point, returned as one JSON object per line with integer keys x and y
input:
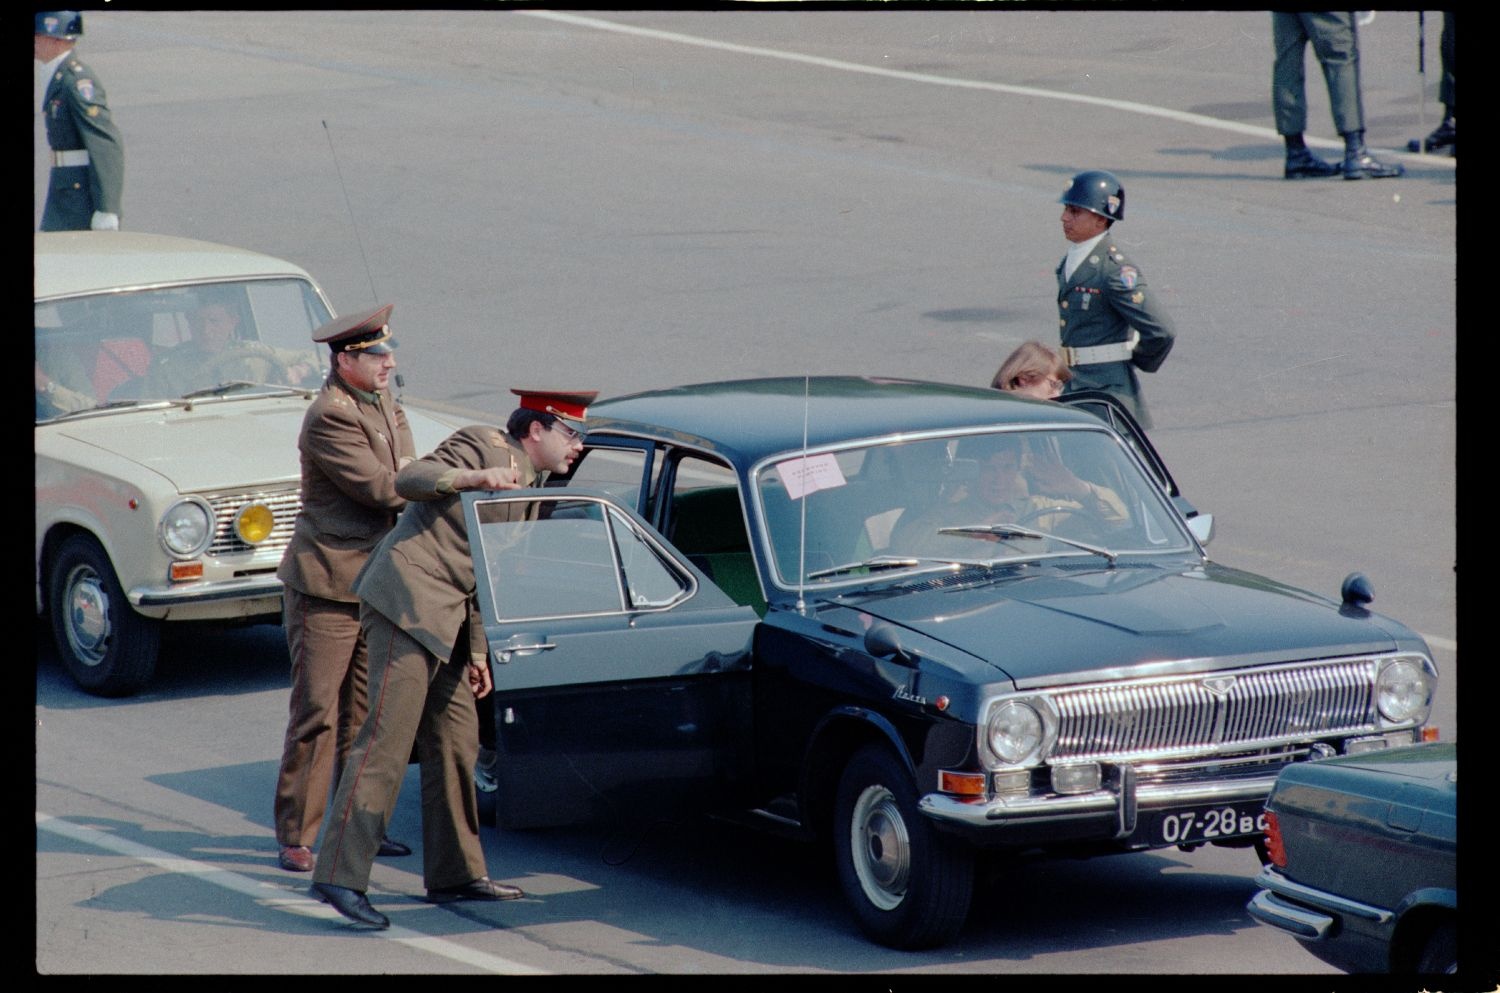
{"x": 630, "y": 200}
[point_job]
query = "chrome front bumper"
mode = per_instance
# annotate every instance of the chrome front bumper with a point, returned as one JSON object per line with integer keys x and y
{"x": 205, "y": 592}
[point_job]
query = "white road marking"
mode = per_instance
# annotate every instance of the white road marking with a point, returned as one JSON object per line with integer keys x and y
{"x": 276, "y": 897}
{"x": 1127, "y": 106}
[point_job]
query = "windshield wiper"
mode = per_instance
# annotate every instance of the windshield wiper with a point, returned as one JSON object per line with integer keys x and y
{"x": 877, "y": 563}
{"x": 1016, "y": 531}
{"x": 235, "y": 384}
{"x": 108, "y": 405}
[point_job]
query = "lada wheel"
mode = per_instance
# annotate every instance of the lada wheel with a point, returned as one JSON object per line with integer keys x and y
{"x": 107, "y": 647}
{"x": 909, "y": 886}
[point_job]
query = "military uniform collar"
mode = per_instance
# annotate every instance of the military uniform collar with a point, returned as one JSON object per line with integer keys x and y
{"x": 364, "y": 396}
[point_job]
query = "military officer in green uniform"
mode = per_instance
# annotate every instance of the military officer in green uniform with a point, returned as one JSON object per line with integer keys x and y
{"x": 354, "y": 439}
{"x": 429, "y": 660}
{"x": 88, "y": 155}
{"x": 1110, "y": 324}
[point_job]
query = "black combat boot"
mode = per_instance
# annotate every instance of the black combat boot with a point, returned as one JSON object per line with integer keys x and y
{"x": 1360, "y": 164}
{"x": 1444, "y": 138}
{"x": 1302, "y": 163}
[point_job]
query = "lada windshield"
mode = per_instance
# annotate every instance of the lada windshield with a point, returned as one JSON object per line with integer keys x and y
{"x": 834, "y": 515}
{"x": 165, "y": 343}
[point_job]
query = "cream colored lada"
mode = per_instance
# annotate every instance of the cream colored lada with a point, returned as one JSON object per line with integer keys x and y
{"x": 171, "y": 380}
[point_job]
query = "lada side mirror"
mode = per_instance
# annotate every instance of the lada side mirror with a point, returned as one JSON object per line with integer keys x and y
{"x": 1202, "y": 526}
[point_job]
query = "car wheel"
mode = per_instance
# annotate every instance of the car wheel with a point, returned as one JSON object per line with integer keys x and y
{"x": 1440, "y": 953}
{"x": 909, "y": 886}
{"x": 107, "y": 647}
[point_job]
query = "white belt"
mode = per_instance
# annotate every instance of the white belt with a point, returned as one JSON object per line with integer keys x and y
{"x": 1119, "y": 351}
{"x": 74, "y": 157}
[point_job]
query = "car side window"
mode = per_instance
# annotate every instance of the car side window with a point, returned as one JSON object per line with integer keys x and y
{"x": 705, "y": 522}
{"x": 616, "y": 471}
{"x": 564, "y": 557}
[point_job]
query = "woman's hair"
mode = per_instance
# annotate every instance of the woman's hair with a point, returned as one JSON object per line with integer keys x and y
{"x": 1030, "y": 362}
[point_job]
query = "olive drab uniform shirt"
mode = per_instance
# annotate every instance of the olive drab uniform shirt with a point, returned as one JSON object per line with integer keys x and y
{"x": 421, "y": 577}
{"x": 78, "y": 120}
{"x": 351, "y": 446}
{"x": 1100, "y": 304}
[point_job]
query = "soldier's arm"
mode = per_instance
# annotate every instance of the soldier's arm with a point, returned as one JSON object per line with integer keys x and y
{"x": 459, "y": 463}
{"x": 102, "y": 139}
{"x": 337, "y": 443}
{"x": 1130, "y": 296}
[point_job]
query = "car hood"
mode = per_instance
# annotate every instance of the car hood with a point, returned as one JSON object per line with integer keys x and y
{"x": 207, "y": 446}
{"x": 1056, "y": 621}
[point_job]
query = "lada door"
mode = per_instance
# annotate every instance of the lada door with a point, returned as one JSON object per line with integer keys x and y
{"x": 622, "y": 674}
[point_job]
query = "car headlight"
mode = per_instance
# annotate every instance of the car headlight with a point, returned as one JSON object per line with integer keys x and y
{"x": 1014, "y": 731}
{"x": 1403, "y": 691}
{"x": 253, "y": 523}
{"x": 186, "y": 528}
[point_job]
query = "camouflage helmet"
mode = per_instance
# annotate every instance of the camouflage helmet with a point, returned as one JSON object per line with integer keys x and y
{"x": 1097, "y": 191}
{"x": 59, "y": 23}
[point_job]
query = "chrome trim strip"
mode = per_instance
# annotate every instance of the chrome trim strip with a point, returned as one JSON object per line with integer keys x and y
{"x": 1041, "y": 809}
{"x": 247, "y": 588}
{"x": 1274, "y": 880}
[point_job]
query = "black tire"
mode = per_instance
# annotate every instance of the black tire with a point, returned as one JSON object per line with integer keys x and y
{"x": 909, "y": 886}
{"x": 107, "y": 647}
{"x": 1440, "y": 952}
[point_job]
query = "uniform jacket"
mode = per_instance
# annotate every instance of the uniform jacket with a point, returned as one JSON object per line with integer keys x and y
{"x": 1106, "y": 297}
{"x": 77, "y": 117}
{"x": 350, "y": 450}
{"x": 421, "y": 577}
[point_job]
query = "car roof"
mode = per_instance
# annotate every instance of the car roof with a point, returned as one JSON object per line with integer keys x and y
{"x": 748, "y": 419}
{"x": 72, "y": 263}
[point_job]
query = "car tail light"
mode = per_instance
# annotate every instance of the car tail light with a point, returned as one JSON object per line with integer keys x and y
{"x": 1274, "y": 848}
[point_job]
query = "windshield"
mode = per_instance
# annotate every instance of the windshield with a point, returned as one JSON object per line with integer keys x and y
{"x": 979, "y": 498}
{"x": 167, "y": 343}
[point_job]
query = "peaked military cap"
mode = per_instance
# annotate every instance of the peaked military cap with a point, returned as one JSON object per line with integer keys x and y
{"x": 368, "y": 331}
{"x": 570, "y": 406}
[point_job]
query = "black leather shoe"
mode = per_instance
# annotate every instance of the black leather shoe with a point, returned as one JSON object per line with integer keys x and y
{"x": 391, "y": 849}
{"x": 1363, "y": 165}
{"x": 1303, "y": 164}
{"x": 483, "y": 888}
{"x": 351, "y": 903}
{"x": 1444, "y": 138}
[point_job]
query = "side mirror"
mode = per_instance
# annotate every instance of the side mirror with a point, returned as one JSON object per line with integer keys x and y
{"x": 884, "y": 641}
{"x": 1202, "y": 526}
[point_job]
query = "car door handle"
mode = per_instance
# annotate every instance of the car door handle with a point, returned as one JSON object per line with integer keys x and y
{"x": 502, "y": 653}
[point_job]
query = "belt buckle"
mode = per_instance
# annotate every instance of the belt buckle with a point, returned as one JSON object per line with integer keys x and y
{"x": 1069, "y": 355}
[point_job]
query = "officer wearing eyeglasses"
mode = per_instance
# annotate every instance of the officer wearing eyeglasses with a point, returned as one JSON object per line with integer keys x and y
{"x": 429, "y": 659}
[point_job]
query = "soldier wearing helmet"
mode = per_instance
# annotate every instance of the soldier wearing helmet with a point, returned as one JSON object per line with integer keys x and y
{"x": 88, "y": 155}
{"x": 1110, "y": 325}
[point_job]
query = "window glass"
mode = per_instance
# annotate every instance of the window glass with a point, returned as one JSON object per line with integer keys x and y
{"x": 616, "y": 471}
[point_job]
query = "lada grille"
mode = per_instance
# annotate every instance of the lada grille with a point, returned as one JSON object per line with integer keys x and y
{"x": 1214, "y": 712}
{"x": 284, "y": 505}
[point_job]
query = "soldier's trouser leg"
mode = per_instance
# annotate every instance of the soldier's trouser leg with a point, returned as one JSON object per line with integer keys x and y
{"x": 451, "y": 850}
{"x": 1288, "y": 77}
{"x": 1335, "y": 41}
{"x": 326, "y": 707}
{"x": 400, "y": 671}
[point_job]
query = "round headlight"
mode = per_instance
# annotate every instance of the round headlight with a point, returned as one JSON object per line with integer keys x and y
{"x": 253, "y": 523}
{"x": 1015, "y": 731}
{"x": 186, "y": 528}
{"x": 1404, "y": 691}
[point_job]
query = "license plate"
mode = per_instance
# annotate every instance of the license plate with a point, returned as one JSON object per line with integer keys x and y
{"x": 1225, "y": 820}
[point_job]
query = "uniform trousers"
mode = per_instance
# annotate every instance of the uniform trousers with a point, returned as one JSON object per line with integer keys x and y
{"x": 1335, "y": 42}
{"x": 330, "y": 683}
{"x": 414, "y": 697}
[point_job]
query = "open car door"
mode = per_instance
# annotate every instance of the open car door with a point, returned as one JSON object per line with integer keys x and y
{"x": 622, "y": 674}
{"x": 1109, "y": 409}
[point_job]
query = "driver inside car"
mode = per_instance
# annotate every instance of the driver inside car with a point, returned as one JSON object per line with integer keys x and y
{"x": 1022, "y": 482}
{"x": 215, "y": 353}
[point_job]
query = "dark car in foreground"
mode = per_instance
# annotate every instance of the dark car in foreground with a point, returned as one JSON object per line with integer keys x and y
{"x": 1364, "y": 859}
{"x": 931, "y": 623}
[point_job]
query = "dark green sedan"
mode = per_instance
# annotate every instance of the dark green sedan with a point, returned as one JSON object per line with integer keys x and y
{"x": 927, "y": 624}
{"x": 1364, "y": 853}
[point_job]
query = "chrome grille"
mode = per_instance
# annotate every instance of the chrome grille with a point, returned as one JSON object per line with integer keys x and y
{"x": 1189, "y": 714}
{"x": 284, "y": 505}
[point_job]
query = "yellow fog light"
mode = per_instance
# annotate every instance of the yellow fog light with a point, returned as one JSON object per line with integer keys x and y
{"x": 253, "y": 523}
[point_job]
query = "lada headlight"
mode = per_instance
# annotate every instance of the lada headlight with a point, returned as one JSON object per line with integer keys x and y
{"x": 1014, "y": 731}
{"x": 186, "y": 528}
{"x": 253, "y": 523}
{"x": 1403, "y": 690}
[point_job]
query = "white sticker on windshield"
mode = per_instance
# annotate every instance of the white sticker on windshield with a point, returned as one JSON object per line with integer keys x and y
{"x": 809, "y": 473}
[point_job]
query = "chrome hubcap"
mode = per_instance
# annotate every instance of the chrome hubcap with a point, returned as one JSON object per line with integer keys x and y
{"x": 87, "y": 617}
{"x": 881, "y": 847}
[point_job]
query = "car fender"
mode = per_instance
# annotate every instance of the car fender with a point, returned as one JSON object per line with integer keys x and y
{"x": 835, "y": 737}
{"x": 1428, "y": 897}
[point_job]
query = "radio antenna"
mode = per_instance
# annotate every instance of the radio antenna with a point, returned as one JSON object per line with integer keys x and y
{"x": 374, "y": 297}
{"x": 344, "y": 189}
{"x": 802, "y": 527}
